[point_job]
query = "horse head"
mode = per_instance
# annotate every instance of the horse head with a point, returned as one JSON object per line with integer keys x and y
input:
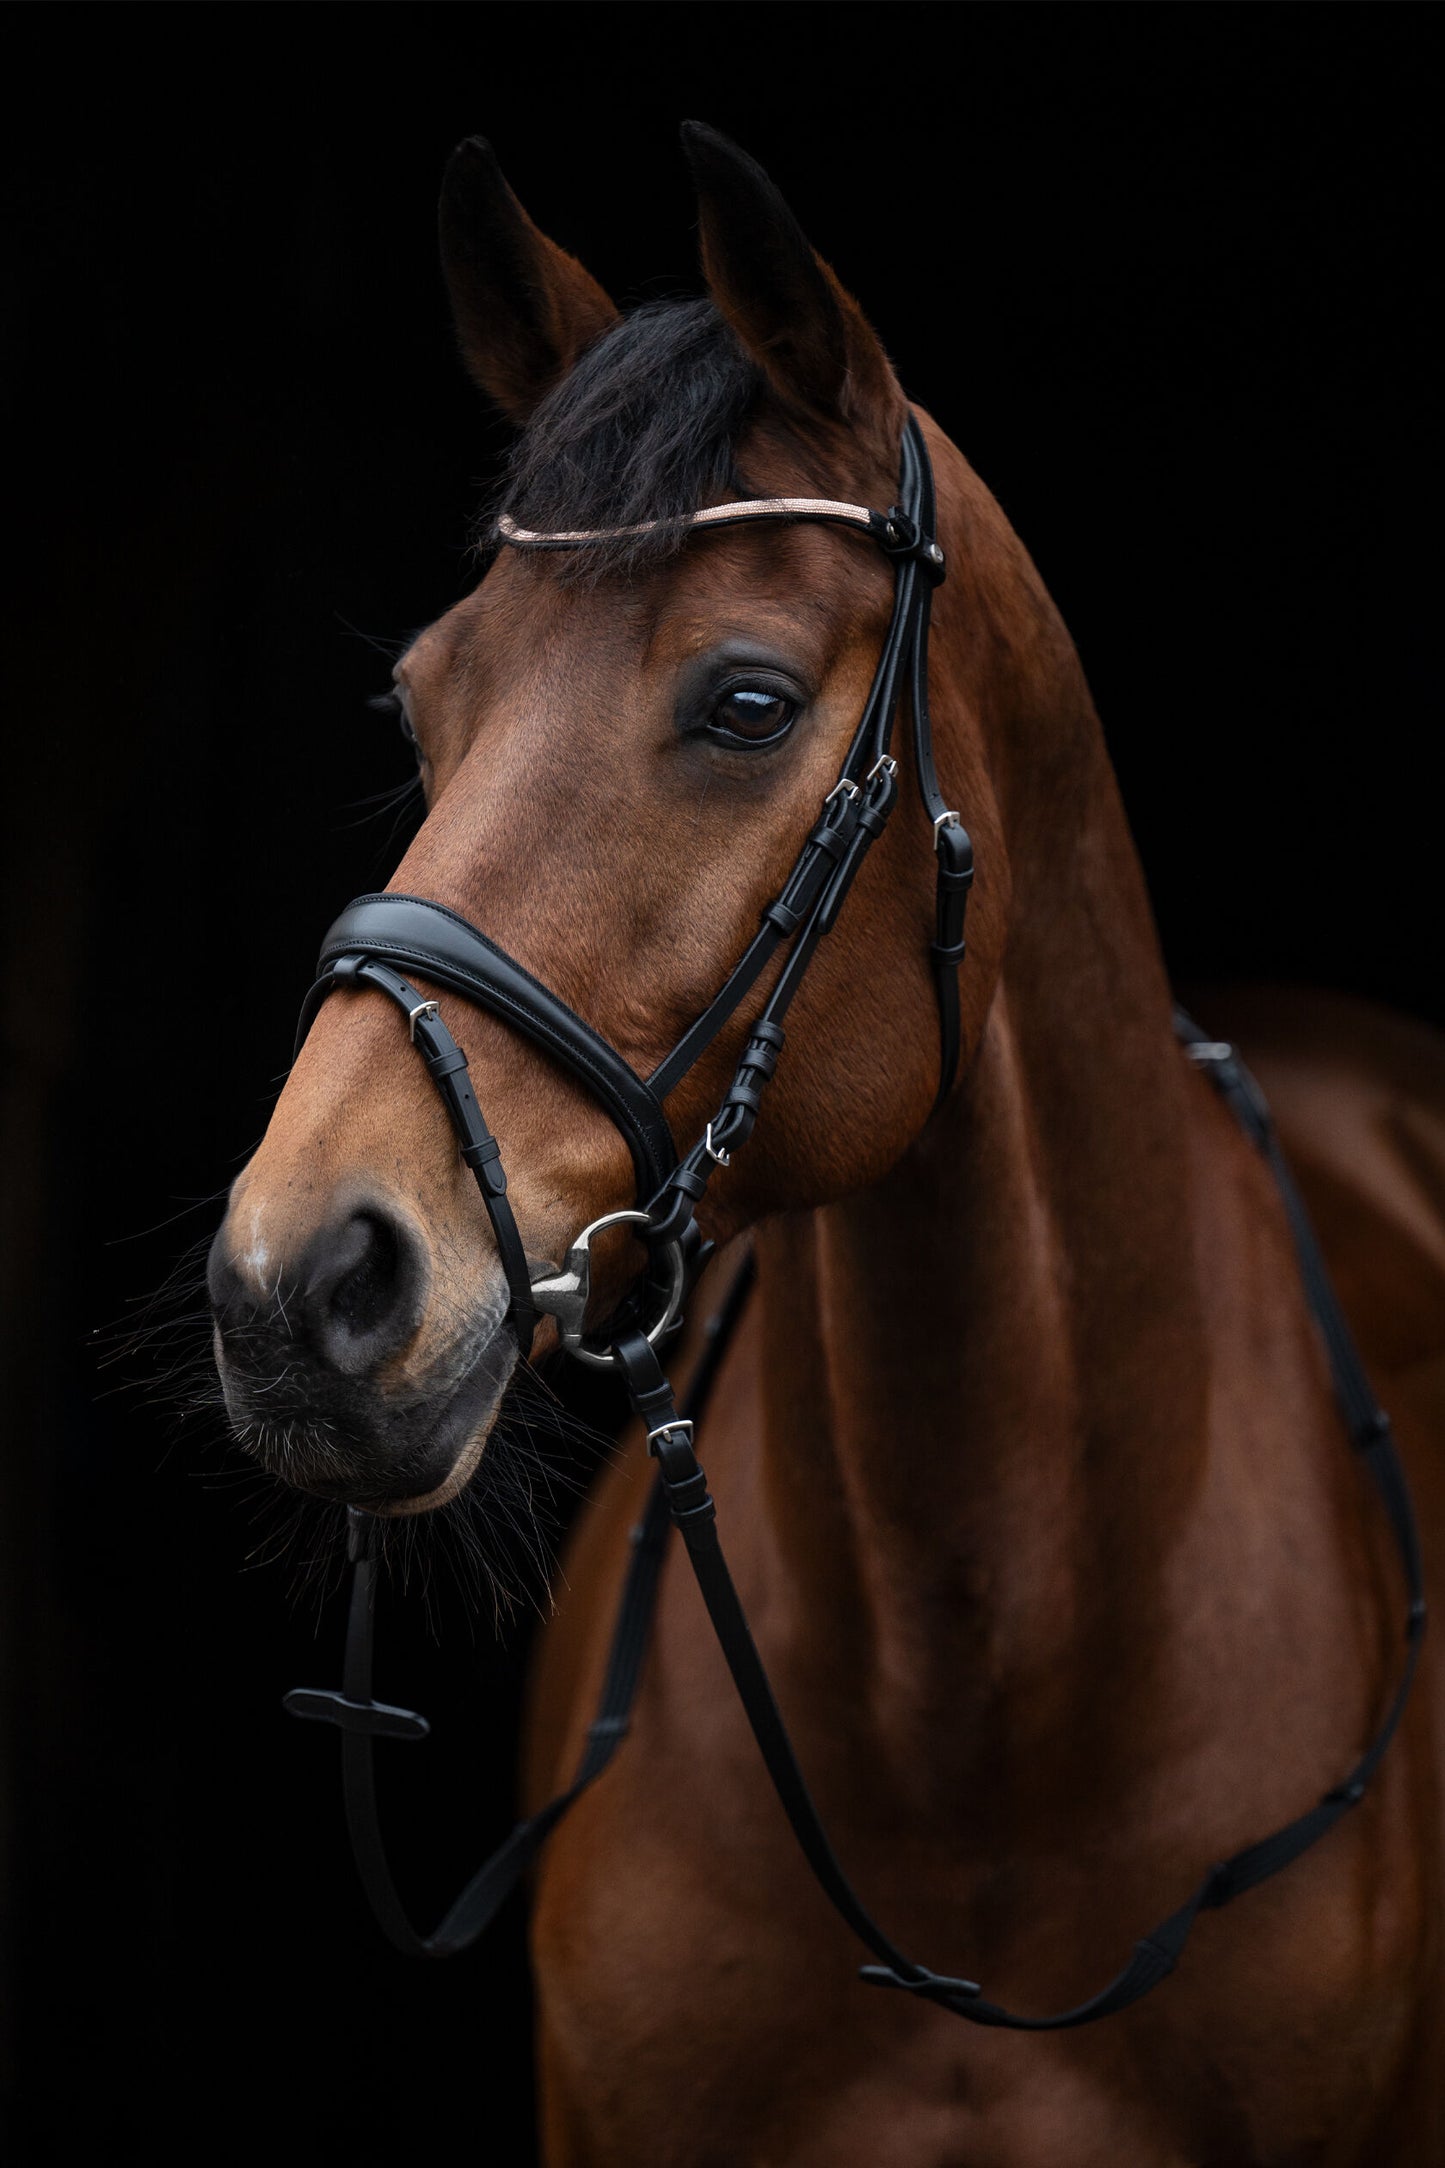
{"x": 621, "y": 748}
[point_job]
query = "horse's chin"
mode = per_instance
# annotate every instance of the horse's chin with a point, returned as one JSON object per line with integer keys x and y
{"x": 353, "y": 1450}
{"x": 464, "y": 1467}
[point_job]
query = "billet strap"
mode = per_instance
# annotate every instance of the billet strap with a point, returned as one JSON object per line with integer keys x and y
{"x": 1155, "y": 1956}
{"x": 828, "y": 842}
{"x": 850, "y": 825}
{"x": 360, "y": 1719}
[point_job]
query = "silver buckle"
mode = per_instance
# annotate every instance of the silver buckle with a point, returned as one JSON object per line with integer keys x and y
{"x": 679, "y": 1427}
{"x": 843, "y": 788}
{"x": 885, "y": 764}
{"x": 429, "y": 1009}
{"x": 565, "y": 1294}
{"x": 945, "y": 820}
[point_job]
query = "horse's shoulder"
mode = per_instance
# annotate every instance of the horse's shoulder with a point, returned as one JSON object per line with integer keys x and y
{"x": 1358, "y": 1096}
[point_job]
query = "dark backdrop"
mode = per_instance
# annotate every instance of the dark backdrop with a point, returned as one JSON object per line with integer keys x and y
{"x": 1164, "y": 274}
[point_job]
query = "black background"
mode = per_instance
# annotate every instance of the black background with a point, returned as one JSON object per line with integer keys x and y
{"x": 1163, "y": 272}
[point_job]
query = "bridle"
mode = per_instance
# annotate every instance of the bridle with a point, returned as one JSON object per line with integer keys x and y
{"x": 378, "y": 938}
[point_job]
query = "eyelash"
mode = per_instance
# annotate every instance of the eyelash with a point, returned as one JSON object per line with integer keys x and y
{"x": 391, "y": 703}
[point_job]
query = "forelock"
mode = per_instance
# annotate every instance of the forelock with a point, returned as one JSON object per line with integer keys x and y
{"x": 643, "y": 429}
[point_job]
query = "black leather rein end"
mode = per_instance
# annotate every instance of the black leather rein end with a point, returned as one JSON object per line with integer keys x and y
{"x": 353, "y": 1709}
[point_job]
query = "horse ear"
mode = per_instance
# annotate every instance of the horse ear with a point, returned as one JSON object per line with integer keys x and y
{"x": 807, "y": 334}
{"x": 524, "y": 308}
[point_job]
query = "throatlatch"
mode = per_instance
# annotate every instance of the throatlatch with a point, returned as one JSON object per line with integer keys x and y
{"x": 378, "y": 935}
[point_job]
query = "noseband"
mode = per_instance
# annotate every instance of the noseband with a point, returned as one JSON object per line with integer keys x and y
{"x": 378, "y": 938}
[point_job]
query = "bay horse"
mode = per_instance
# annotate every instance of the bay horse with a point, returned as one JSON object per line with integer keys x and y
{"x": 1038, "y": 1497}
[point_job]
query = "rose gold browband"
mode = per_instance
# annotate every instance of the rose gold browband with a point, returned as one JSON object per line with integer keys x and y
{"x": 877, "y": 524}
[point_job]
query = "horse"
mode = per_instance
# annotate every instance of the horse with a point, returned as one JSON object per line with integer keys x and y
{"x": 1037, "y": 1492}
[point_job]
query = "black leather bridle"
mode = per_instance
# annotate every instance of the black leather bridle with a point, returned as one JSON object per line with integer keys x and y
{"x": 379, "y": 938}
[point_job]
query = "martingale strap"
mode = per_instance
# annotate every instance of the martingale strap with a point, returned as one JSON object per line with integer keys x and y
{"x": 1156, "y": 1954}
{"x": 681, "y": 1498}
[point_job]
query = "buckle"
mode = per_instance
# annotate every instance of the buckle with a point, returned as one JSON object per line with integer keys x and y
{"x": 431, "y": 1010}
{"x": 679, "y": 1427}
{"x": 901, "y": 537}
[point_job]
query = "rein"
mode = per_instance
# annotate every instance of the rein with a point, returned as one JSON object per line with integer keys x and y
{"x": 368, "y": 946}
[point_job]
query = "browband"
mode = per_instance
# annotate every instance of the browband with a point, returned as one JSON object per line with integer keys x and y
{"x": 826, "y": 509}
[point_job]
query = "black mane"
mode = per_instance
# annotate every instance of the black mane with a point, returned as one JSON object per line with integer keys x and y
{"x": 644, "y": 428}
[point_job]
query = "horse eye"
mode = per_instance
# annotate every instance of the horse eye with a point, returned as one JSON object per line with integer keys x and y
{"x": 752, "y": 715}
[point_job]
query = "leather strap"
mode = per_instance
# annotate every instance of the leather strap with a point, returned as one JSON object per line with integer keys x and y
{"x": 1157, "y": 1953}
{"x": 952, "y": 844}
{"x": 851, "y": 825}
{"x": 442, "y": 946}
{"x": 682, "y": 1497}
{"x": 447, "y": 1067}
{"x": 817, "y": 510}
{"x": 360, "y": 1719}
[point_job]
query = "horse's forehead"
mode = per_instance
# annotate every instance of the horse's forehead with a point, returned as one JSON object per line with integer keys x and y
{"x": 800, "y": 587}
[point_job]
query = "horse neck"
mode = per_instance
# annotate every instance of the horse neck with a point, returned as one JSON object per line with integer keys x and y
{"x": 984, "y": 1378}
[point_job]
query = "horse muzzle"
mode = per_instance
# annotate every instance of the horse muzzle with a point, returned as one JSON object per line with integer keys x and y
{"x": 334, "y": 1374}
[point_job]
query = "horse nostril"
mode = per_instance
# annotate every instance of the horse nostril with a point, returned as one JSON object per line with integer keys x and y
{"x": 363, "y": 1290}
{"x": 353, "y": 1296}
{"x": 362, "y": 1296}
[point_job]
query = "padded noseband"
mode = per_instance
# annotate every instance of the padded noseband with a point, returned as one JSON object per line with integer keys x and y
{"x": 429, "y": 938}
